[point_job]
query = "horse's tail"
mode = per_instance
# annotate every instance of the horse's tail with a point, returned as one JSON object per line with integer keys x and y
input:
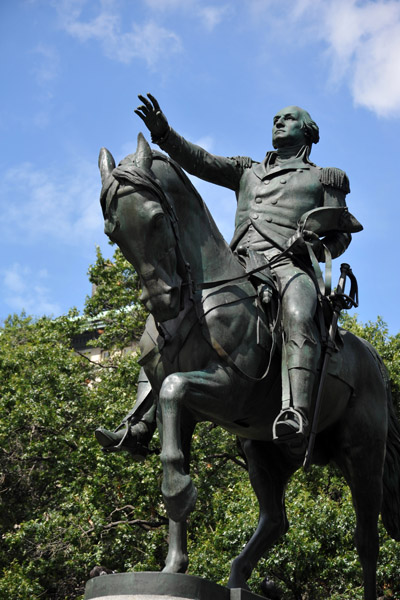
{"x": 391, "y": 473}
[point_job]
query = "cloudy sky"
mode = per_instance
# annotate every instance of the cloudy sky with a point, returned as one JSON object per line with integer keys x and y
{"x": 71, "y": 72}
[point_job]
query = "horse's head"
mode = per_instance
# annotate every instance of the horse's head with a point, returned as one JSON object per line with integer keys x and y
{"x": 138, "y": 217}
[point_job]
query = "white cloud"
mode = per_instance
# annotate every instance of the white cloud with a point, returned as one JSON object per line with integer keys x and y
{"x": 364, "y": 44}
{"x": 362, "y": 41}
{"x": 209, "y": 15}
{"x": 212, "y": 15}
{"x": 206, "y": 142}
{"x": 46, "y": 63}
{"x": 45, "y": 70}
{"x": 49, "y": 204}
{"x": 14, "y": 279}
{"x": 165, "y": 5}
{"x": 24, "y": 289}
{"x": 147, "y": 41}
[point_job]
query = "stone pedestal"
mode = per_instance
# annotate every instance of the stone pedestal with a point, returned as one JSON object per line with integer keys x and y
{"x": 160, "y": 586}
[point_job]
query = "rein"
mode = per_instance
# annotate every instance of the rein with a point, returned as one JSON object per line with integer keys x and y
{"x": 205, "y": 285}
{"x": 324, "y": 288}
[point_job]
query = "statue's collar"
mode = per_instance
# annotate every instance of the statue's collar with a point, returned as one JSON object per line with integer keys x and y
{"x": 284, "y": 156}
{"x": 284, "y": 160}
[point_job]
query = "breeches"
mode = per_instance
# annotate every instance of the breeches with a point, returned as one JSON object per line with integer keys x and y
{"x": 298, "y": 306}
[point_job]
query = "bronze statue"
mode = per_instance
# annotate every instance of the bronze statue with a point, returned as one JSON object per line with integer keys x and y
{"x": 272, "y": 196}
{"x": 227, "y": 339}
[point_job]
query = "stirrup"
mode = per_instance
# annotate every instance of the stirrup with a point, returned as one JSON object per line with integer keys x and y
{"x": 292, "y": 435}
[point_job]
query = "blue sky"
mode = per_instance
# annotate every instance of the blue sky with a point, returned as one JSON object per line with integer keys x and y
{"x": 71, "y": 72}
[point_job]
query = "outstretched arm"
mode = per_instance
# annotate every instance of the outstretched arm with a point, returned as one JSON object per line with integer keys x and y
{"x": 194, "y": 159}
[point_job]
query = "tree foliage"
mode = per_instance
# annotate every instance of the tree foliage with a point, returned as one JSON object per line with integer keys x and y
{"x": 66, "y": 506}
{"x": 115, "y": 303}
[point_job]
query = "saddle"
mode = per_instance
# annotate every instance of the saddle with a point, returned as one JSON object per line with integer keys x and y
{"x": 319, "y": 222}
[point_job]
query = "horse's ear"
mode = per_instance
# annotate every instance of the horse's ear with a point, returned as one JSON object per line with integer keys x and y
{"x": 106, "y": 163}
{"x": 143, "y": 155}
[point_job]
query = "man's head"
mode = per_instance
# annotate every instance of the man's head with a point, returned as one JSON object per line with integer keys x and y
{"x": 293, "y": 126}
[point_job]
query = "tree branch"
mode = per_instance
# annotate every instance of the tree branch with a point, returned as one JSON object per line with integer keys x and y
{"x": 227, "y": 457}
{"x": 94, "y": 362}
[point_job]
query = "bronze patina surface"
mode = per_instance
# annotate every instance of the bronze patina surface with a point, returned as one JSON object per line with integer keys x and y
{"x": 236, "y": 336}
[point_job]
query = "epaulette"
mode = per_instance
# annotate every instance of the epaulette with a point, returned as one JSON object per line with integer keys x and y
{"x": 335, "y": 178}
{"x": 244, "y": 162}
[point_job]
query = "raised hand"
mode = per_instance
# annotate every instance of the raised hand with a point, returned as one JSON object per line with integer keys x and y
{"x": 152, "y": 116}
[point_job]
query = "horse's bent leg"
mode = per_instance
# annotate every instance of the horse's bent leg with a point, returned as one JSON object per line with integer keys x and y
{"x": 269, "y": 473}
{"x": 181, "y": 389}
{"x": 177, "y": 488}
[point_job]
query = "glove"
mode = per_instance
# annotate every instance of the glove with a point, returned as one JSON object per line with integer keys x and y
{"x": 152, "y": 116}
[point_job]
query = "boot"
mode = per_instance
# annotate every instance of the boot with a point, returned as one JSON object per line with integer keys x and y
{"x": 292, "y": 424}
{"x": 131, "y": 438}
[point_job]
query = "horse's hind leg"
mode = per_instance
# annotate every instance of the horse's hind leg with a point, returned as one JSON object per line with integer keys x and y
{"x": 269, "y": 473}
{"x": 361, "y": 462}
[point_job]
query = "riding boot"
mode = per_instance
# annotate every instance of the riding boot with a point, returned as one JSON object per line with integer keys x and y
{"x": 302, "y": 387}
{"x": 134, "y": 437}
{"x": 292, "y": 424}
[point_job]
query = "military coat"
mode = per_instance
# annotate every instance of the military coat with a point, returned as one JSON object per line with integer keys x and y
{"x": 271, "y": 196}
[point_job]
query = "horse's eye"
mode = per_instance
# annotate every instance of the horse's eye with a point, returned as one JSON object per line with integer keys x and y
{"x": 159, "y": 220}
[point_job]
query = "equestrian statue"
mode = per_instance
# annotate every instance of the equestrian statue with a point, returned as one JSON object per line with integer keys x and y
{"x": 246, "y": 335}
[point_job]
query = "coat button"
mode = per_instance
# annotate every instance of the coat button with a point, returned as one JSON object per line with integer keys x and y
{"x": 267, "y": 182}
{"x": 283, "y": 181}
{"x": 269, "y": 219}
{"x": 274, "y": 201}
{"x": 254, "y": 216}
{"x": 258, "y": 200}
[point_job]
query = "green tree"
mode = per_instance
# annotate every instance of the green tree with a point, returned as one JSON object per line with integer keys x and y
{"x": 115, "y": 303}
{"x": 66, "y": 506}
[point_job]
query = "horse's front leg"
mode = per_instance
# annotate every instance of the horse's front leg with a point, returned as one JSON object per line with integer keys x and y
{"x": 198, "y": 389}
{"x": 177, "y": 488}
{"x": 177, "y": 558}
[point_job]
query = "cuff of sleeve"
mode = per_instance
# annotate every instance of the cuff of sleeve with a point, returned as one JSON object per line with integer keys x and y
{"x": 162, "y": 139}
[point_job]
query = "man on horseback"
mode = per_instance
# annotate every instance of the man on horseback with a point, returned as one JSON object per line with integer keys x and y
{"x": 272, "y": 197}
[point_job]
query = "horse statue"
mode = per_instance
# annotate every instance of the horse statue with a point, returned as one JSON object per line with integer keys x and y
{"x": 210, "y": 355}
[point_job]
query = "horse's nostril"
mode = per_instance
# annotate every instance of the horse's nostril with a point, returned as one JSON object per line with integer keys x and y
{"x": 110, "y": 227}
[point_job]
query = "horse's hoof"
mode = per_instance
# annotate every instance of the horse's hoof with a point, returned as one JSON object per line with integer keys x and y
{"x": 177, "y": 563}
{"x": 234, "y": 584}
{"x": 181, "y": 504}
